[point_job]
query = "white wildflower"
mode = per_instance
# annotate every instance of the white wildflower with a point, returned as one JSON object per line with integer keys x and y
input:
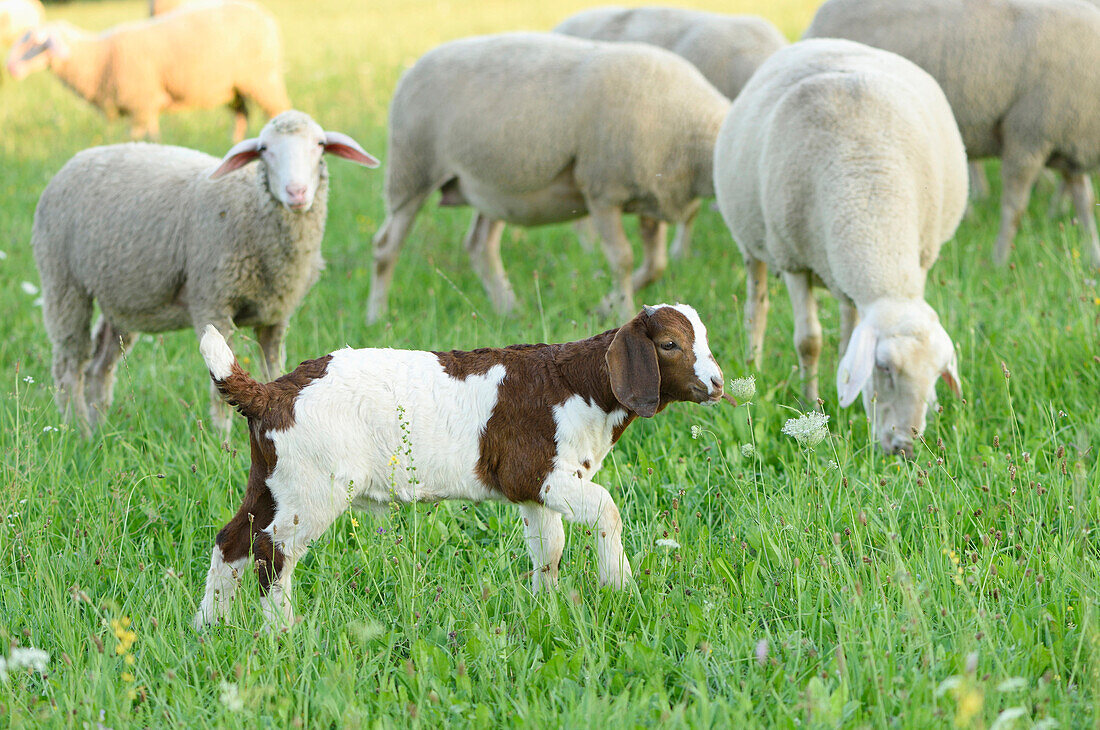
{"x": 46, "y": 429}
{"x": 808, "y": 430}
{"x": 1008, "y": 717}
{"x": 695, "y": 430}
{"x": 668, "y": 543}
{"x": 231, "y": 697}
{"x": 762, "y": 652}
{"x": 3, "y": 669}
{"x": 1012, "y": 684}
{"x": 3, "y": 255}
{"x": 748, "y": 451}
{"x": 743, "y": 389}
{"x": 28, "y": 658}
{"x": 29, "y": 289}
{"x": 38, "y": 302}
{"x": 972, "y": 662}
{"x": 28, "y": 379}
{"x": 832, "y": 464}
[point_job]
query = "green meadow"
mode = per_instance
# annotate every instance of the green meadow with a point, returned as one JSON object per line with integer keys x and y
{"x": 825, "y": 587}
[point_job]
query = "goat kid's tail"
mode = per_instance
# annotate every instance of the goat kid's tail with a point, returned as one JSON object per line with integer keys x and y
{"x": 236, "y": 386}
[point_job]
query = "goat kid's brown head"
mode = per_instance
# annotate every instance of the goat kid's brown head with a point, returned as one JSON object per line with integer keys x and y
{"x": 662, "y": 356}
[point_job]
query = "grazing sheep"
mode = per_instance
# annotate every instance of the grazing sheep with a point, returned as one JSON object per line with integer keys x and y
{"x": 17, "y": 17}
{"x": 725, "y": 48}
{"x": 200, "y": 56}
{"x": 527, "y": 424}
{"x": 841, "y": 164}
{"x": 1022, "y": 77}
{"x": 535, "y": 128}
{"x": 164, "y": 238}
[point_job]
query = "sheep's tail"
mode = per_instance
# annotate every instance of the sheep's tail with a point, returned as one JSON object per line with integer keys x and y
{"x": 237, "y": 387}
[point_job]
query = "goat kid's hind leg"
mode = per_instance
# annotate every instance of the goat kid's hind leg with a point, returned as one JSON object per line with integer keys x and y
{"x": 609, "y": 223}
{"x": 387, "y": 246}
{"x": 756, "y": 308}
{"x": 99, "y": 377}
{"x": 545, "y": 537}
{"x": 1084, "y": 202}
{"x": 807, "y": 330}
{"x": 655, "y": 248}
{"x": 482, "y": 243}
{"x": 584, "y": 501}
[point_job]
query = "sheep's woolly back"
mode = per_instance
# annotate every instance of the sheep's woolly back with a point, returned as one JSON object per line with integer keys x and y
{"x": 725, "y": 48}
{"x": 219, "y": 358}
{"x": 857, "y": 170}
{"x": 618, "y": 116}
{"x": 1016, "y": 72}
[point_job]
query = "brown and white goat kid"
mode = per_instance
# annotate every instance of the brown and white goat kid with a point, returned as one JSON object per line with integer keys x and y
{"x": 530, "y": 424}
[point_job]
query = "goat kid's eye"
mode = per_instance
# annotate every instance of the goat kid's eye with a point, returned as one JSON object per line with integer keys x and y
{"x": 670, "y": 345}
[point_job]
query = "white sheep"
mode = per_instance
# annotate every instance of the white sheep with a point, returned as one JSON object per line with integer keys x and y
{"x": 164, "y": 238}
{"x": 535, "y": 128}
{"x": 17, "y": 17}
{"x": 841, "y": 164}
{"x": 160, "y": 7}
{"x": 1022, "y": 76}
{"x": 725, "y": 48}
{"x": 201, "y": 56}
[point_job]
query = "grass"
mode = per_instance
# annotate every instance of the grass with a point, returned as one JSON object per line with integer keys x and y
{"x": 833, "y": 587}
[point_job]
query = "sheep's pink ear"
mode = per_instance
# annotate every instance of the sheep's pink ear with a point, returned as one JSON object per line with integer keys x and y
{"x": 632, "y": 365}
{"x": 950, "y": 376}
{"x": 240, "y": 155}
{"x": 857, "y": 364}
{"x": 341, "y": 145}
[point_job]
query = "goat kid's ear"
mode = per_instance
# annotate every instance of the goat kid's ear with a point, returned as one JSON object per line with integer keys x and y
{"x": 857, "y": 364}
{"x": 632, "y": 365}
{"x": 341, "y": 145}
{"x": 240, "y": 155}
{"x": 950, "y": 376}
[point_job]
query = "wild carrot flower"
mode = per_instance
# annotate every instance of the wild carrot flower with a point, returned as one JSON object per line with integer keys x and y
{"x": 668, "y": 543}
{"x": 808, "y": 430}
{"x": 748, "y": 451}
{"x": 743, "y": 389}
{"x": 695, "y": 431}
{"x": 231, "y": 697}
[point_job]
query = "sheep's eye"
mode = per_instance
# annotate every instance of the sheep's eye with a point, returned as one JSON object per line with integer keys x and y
{"x": 321, "y": 143}
{"x": 670, "y": 345}
{"x": 262, "y": 149}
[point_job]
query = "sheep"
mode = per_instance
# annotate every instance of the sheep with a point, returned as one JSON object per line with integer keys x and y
{"x": 527, "y": 424}
{"x": 1021, "y": 76}
{"x": 536, "y": 128}
{"x": 160, "y": 7}
{"x": 17, "y": 17}
{"x": 165, "y": 238}
{"x": 841, "y": 164}
{"x": 725, "y": 48}
{"x": 200, "y": 56}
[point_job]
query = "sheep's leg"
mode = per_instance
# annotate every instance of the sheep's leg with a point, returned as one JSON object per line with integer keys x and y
{"x": 807, "y": 329}
{"x": 387, "y": 246}
{"x": 1080, "y": 187}
{"x": 1058, "y": 199}
{"x": 609, "y": 223}
{"x": 99, "y": 376}
{"x": 654, "y": 245}
{"x": 584, "y": 501}
{"x": 240, "y": 117}
{"x": 586, "y": 233}
{"x": 545, "y": 541}
{"x": 849, "y": 318}
{"x": 756, "y": 308}
{"x": 272, "y": 339}
{"x": 68, "y": 315}
{"x": 483, "y": 245}
{"x": 146, "y": 126}
{"x": 1019, "y": 171}
{"x": 681, "y": 241}
{"x": 221, "y": 417}
{"x": 979, "y": 183}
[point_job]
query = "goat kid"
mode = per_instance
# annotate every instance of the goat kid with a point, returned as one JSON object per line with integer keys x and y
{"x": 529, "y": 424}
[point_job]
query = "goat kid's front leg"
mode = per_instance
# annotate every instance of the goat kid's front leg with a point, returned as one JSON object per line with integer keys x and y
{"x": 545, "y": 537}
{"x": 581, "y": 500}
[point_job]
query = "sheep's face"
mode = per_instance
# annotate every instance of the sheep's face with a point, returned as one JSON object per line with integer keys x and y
{"x": 662, "y": 356}
{"x": 290, "y": 147}
{"x": 895, "y": 356}
{"x": 36, "y": 50}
